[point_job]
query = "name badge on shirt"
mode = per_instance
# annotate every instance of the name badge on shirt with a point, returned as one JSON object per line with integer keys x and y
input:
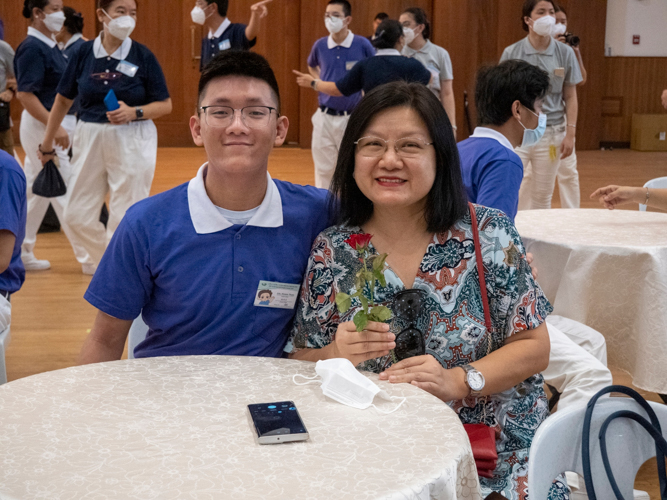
{"x": 225, "y": 45}
{"x": 559, "y": 72}
{"x": 350, "y": 64}
{"x": 127, "y": 68}
{"x": 278, "y": 295}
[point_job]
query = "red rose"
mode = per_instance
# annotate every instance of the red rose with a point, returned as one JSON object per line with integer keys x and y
{"x": 359, "y": 241}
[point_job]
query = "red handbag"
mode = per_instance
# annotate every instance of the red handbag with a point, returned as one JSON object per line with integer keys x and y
{"x": 482, "y": 437}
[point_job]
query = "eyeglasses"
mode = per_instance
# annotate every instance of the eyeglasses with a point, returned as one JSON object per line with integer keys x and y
{"x": 408, "y": 147}
{"x": 223, "y": 116}
{"x": 407, "y": 307}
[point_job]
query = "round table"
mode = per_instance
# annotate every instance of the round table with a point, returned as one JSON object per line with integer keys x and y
{"x": 607, "y": 269}
{"x": 177, "y": 427}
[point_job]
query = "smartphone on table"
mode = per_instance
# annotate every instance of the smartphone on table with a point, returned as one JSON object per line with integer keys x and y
{"x": 277, "y": 422}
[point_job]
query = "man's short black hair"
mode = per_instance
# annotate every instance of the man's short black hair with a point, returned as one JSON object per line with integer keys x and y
{"x": 446, "y": 202}
{"x": 381, "y": 16}
{"x": 239, "y": 63}
{"x": 498, "y": 87}
{"x": 223, "y": 5}
{"x": 347, "y": 8}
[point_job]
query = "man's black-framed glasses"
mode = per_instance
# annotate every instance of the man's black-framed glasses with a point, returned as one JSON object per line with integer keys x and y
{"x": 407, "y": 308}
{"x": 223, "y": 116}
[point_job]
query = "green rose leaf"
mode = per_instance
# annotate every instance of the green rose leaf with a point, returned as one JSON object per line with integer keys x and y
{"x": 343, "y": 301}
{"x": 378, "y": 262}
{"x": 364, "y": 302}
{"x": 380, "y": 313}
{"x": 360, "y": 320}
{"x": 379, "y": 275}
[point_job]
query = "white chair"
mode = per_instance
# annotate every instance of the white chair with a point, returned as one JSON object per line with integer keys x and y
{"x": 657, "y": 183}
{"x": 138, "y": 332}
{"x": 557, "y": 443}
{"x": 4, "y": 342}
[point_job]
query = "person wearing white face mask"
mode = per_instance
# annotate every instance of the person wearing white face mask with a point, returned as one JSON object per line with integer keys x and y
{"x": 38, "y": 66}
{"x": 222, "y": 33}
{"x": 330, "y": 59}
{"x": 114, "y": 150}
{"x": 541, "y": 161}
{"x": 417, "y": 31}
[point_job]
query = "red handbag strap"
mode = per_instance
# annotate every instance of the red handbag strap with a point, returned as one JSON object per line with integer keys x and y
{"x": 480, "y": 267}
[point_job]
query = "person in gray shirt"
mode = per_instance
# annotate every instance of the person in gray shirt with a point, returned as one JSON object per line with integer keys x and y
{"x": 542, "y": 160}
{"x": 7, "y": 92}
{"x": 417, "y": 31}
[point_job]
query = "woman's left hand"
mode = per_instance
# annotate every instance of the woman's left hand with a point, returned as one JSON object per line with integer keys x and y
{"x": 427, "y": 373}
{"x": 122, "y": 115}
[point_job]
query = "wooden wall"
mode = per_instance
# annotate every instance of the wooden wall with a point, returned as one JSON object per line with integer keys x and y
{"x": 475, "y": 32}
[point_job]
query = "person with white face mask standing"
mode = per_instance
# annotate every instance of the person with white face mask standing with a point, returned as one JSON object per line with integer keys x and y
{"x": 541, "y": 161}
{"x": 115, "y": 150}
{"x": 38, "y": 66}
{"x": 330, "y": 59}
{"x": 222, "y": 33}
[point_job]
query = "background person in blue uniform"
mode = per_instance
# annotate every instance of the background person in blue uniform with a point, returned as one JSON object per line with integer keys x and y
{"x": 13, "y": 207}
{"x": 71, "y": 36}
{"x": 330, "y": 59}
{"x": 38, "y": 65}
{"x": 386, "y": 66}
{"x": 113, "y": 152}
{"x": 222, "y": 33}
{"x": 193, "y": 259}
{"x": 7, "y": 92}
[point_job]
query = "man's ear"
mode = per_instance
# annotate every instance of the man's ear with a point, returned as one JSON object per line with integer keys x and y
{"x": 516, "y": 109}
{"x": 195, "y": 130}
{"x": 282, "y": 124}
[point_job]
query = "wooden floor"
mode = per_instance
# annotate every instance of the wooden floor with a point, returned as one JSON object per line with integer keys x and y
{"x": 50, "y": 319}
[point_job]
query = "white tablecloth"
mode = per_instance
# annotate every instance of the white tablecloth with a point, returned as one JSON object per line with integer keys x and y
{"x": 608, "y": 269}
{"x": 175, "y": 428}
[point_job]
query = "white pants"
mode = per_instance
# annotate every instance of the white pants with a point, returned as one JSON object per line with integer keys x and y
{"x": 5, "y": 320}
{"x": 328, "y": 133}
{"x": 115, "y": 159}
{"x": 541, "y": 164}
{"x": 5, "y": 313}
{"x": 32, "y": 133}
{"x": 577, "y": 362}
{"x": 568, "y": 182}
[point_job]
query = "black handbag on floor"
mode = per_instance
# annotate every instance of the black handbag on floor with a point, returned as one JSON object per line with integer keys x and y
{"x": 653, "y": 428}
{"x": 5, "y": 116}
{"x": 49, "y": 183}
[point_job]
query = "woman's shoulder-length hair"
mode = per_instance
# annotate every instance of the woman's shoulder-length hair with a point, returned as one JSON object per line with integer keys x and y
{"x": 446, "y": 202}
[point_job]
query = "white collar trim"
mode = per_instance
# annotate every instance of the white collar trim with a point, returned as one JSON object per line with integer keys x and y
{"x": 388, "y": 52}
{"x": 487, "y": 133}
{"x": 206, "y": 218}
{"x": 347, "y": 43}
{"x": 73, "y": 39}
{"x": 100, "y": 52}
{"x": 41, "y": 37}
{"x": 221, "y": 29}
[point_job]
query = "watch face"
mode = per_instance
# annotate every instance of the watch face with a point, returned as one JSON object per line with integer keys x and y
{"x": 476, "y": 381}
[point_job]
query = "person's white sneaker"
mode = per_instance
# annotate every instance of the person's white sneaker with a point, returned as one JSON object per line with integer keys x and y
{"x": 32, "y": 264}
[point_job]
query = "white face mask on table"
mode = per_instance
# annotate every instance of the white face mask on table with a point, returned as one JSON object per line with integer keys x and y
{"x": 343, "y": 383}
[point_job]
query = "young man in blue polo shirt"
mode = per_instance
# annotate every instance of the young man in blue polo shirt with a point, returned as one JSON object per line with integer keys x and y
{"x": 508, "y": 99}
{"x": 330, "y": 59}
{"x": 222, "y": 33}
{"x": 193, "y": 259}
{"x": 13, "y": 211}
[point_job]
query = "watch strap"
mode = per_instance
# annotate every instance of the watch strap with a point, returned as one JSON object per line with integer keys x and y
{"x": 469, "y": 368}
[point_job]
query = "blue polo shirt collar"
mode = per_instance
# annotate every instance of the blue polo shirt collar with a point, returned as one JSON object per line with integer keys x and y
{"x": 206, "y": 218}
{"x": 41, "y": 37}
{"x": 100, "y": 52}
{"x": 487, "y": 133}
{"x": 388, "y": 52}
{"x": 529, "y": 49}
{"x": 221, "y": 29}
{"x": 347, "y": 43}
{"x": 73, "y": 38}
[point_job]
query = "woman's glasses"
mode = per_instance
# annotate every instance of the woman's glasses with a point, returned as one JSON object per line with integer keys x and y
{"x": 407, "y": 308}
{"x": 408, "y": 147}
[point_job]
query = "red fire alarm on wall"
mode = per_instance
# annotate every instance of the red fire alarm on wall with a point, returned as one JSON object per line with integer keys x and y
{"x": 635, "y": 39}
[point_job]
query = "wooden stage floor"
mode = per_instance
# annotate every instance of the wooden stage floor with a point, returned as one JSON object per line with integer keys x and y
{"x": 50, "y": 318}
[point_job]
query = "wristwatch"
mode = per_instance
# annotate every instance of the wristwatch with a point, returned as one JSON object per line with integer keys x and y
{"x": 313, "y": 84}
{"x": 474, "y": 380}
{"x": 140, "y": 113}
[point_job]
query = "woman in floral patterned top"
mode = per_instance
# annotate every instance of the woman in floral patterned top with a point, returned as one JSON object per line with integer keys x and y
{"x": 398, "y": 178}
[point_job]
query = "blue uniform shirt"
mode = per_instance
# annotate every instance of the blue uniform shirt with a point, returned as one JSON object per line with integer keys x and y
{"x": 38, "y": 66}
{"x": 196, "y": 276}
{"x": 13, "y": 209}
{"x": 492, "y": 171}
{"x": 335, "y": 61}
{"x": 72, "y": 46}
{"x": 228, "y": 36}
{"x": 388, "y": 65}
{"x": 91, "y": 72}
